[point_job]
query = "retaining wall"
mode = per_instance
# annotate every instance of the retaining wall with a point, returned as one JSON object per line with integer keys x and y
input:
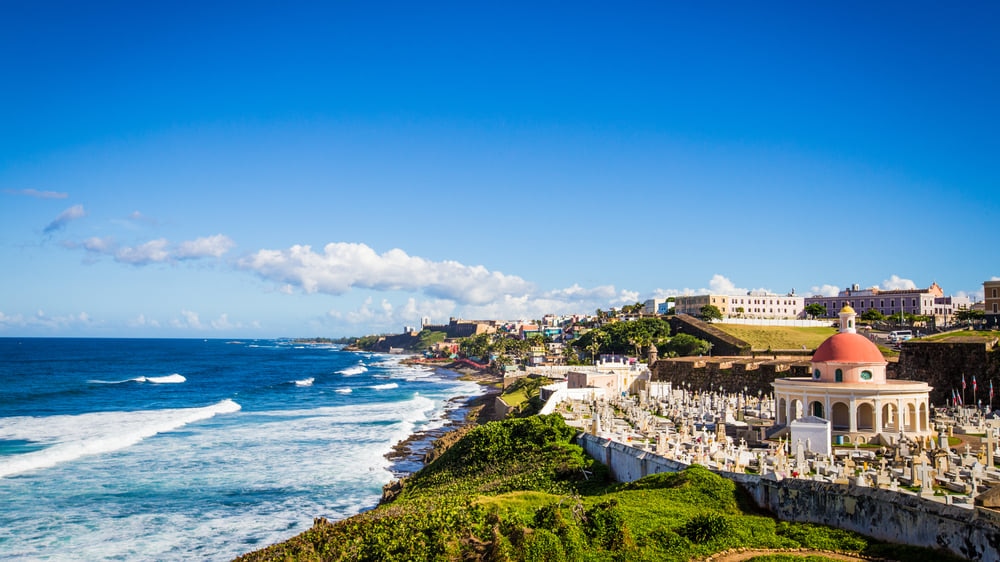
{"x": 900, "y": 518}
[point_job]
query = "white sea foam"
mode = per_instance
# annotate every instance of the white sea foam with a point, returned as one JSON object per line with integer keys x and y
{"x": 71, "y": 437}
{"x": 305, "y": 382}
{"x": 172, "y": 379}
{"x": 355, "y": 370}
{"x": 168, "y": 379}
{"x": 387, "y": 386}
{"x": 344, "y": 390}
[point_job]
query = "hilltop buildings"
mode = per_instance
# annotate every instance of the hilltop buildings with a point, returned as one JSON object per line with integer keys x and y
{"x": 991, "y": 301}
{"x": 930, "y": 302}
{"x": 753, "y": 305}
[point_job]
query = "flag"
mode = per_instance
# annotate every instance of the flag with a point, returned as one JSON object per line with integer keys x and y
{"x": 991, "y": 390}
{"x": 973, "y": 386}
{"x": 963, "y": 382}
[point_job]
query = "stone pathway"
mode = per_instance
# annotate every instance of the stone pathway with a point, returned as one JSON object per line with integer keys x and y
{"x": 740, "y": 555}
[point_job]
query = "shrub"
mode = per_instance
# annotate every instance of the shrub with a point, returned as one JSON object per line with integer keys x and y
{"x": 705, "y": 528}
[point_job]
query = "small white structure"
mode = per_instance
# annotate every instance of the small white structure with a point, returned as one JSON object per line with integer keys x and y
{"x": 815, "y": 433}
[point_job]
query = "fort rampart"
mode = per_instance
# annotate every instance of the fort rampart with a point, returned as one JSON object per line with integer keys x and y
{"x": 891, "y": 516}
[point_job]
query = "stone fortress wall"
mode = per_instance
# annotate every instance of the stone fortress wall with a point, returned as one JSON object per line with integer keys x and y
{"x": 882, "y": 514}
{"x": 940, "y": 364}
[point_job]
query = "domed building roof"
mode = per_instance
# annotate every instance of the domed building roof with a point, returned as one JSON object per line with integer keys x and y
{"x": 846, "y": 347}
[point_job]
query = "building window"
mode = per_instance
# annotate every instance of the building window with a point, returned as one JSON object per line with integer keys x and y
{"x": 994, "y": 293}
{"x": 839, "y": 376}
{"x": 866, "y": 375}
{"x": 816, "y": 375}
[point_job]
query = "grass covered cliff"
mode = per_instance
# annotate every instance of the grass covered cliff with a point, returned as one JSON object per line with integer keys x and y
{"x": 521, "y": 490}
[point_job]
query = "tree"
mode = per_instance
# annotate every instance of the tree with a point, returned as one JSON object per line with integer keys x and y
{"x": 873, "y": 315}
{"x": 815, "y": 310}
{"x": 597, "y": 340}
{"x": 969, "y": 315}
{"x": 683, "y": 345}
{"x": 710, "y": 312}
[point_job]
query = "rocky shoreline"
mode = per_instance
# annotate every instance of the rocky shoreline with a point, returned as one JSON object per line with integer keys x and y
{"x": 465, "y": 412}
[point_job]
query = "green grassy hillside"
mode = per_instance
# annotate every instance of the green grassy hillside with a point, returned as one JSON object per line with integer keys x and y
{"x": 778, "y": 337}
{"x": 520, "y": 490}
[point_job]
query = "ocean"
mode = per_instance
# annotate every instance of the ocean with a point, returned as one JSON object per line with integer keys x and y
{"x": 185, "y": 449}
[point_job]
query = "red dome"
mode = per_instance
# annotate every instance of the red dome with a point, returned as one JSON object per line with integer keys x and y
{"x": 848, "y": 348}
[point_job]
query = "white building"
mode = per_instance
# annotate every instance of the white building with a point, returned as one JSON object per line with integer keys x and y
{"x": 753, "y": 305}
{"x": 657, "y": 307}
{"x": 849, "y": 388}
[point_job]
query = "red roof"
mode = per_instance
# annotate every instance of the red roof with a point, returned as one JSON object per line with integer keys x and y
{"x": 848, "y": 348}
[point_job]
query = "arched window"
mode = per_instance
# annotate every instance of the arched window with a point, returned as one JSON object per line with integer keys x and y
{"x": 839, "y": 376}
{"x": 816, "y": 375}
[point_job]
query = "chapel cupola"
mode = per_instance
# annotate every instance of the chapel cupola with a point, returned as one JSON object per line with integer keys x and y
{"x": 847, "y": 316}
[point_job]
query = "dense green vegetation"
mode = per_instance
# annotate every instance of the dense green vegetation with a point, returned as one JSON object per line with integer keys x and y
{"x": 427, "y": 338}
{"x": 521, "y": 490}
{"x": 625, "y": 338}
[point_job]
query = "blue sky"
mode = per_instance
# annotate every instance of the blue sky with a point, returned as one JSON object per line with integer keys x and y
{"x": 259, "y": 170}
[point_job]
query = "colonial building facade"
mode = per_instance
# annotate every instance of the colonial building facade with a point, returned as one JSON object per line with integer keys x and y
{"x": 920, "y": 302}
{"x": 754, "y": 304}
{"x": 991, "y": 300}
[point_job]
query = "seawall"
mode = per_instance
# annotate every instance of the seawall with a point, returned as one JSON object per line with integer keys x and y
{"x": 900, "y": 518}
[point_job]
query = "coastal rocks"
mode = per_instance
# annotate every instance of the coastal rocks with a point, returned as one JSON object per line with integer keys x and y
{"x": 391, "y": 490}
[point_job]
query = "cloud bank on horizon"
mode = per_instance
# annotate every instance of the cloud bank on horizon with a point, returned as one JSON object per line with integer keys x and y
{"x": 414, "y": 287}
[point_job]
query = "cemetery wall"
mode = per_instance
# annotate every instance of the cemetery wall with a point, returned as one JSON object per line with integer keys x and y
{"x": 942, "y": 364}
{"x": 890, "y": 516}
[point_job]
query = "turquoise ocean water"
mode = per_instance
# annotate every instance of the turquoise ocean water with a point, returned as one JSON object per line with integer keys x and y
{"x": 135, "y": 449}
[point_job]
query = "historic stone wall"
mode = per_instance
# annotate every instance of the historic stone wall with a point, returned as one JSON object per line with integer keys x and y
{"x": 884, "y": 515}
{"x": 722, "y": 343}
{"x": 733, "y": 374}
{"x": 942, "y": 364}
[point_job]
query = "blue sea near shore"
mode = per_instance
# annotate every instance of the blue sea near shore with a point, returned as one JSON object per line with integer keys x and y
{"x": 133, "y": 449}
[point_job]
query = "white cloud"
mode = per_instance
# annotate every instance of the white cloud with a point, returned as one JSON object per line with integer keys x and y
{"x": 142, "y": 322}
{"x": 208, "y": 246}
{"x": 825, "y": 290}
{"x": 36, "y": 193}
{"x": 64, "y": 218}
{"x": 42, "y": 320}
{"x": 223, "y": 323}
{"x": 154, "y": 251}
{"x": 157, "y": 251}
{"x": 343, "y": 266}
{"x": 718, "y": 285}
{"x": 190, "y": 320}
{"x": 895, "y": 282}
